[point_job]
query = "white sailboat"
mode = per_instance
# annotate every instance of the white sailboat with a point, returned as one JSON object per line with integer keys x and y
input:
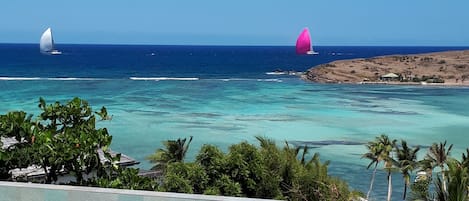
{"x": 46, "y": 44}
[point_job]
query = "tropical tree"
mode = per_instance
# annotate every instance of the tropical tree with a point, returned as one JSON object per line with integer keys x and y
{"x": 67, "y": 138}
{"x": 212, "y": 159}
{"x": 458, "y": 176}
{"x": 386, "y": 145}
{"x": 458, "y": 182}
{"x": 265, "y": 172}
{"x": 173, "y": 151}
{"x": 125, "y": 178}
{"x": 290, "y": 168}
{"x": 272, "y": 163}
{"x": 406, "y": 162}
{"x": 465, "y": 158}
{"x": 420, "y": 189}
{"x": 244, "y": 165}
{"x": 373, "y": 154}
{"x": 380, "y": 150}
{"x": 437, "y": 155}
{"x": 18, "y": 127}
{"x": 191, "y": 173}
{"x": 64, "y": 137}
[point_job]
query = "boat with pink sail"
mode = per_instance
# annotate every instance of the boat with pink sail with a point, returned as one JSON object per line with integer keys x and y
{"x": 303, "y": 43}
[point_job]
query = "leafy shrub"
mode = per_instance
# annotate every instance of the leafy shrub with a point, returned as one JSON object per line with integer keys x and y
{"x": 192, "y": 172}
{"x": 175, "y": 183}
{"x": 63, "y": 137}
{"x": 126, "y": 178}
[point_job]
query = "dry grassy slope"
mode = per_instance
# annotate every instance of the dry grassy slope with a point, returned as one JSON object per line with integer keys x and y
{"x": 452, "y": 66}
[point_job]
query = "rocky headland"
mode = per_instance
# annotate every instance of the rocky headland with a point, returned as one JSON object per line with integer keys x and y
{"x": 446, "y": 68}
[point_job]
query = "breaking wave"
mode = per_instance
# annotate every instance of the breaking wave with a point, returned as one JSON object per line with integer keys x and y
{"x": 247, "y": 79}
{"x": 20, "y": 78}
{"x": 136, "y": 79}
{"x": 49, "y": 78}
{"x": 165, "y": 78}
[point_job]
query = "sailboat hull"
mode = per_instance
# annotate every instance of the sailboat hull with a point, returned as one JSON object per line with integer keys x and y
{"x": 55, "y": 52}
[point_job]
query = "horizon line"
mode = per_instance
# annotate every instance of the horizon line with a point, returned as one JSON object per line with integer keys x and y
{"x": 232, "y": 45}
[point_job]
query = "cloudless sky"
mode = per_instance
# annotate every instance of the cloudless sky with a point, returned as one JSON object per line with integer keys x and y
{"x": 237, "y": 22}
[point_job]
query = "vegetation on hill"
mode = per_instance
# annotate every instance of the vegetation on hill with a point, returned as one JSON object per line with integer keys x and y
{"x": 449, "y": 67}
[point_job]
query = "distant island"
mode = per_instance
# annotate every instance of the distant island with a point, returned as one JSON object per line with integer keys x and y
{"x": 444, "y": 68}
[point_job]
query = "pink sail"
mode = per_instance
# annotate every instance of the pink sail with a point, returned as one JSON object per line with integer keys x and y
{"x": 303, "y": 43}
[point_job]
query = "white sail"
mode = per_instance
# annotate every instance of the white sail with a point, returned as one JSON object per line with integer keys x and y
{"x": 46, "y": 43}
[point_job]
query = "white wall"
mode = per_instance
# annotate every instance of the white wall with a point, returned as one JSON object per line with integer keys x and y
{"x": 13, "y": 191}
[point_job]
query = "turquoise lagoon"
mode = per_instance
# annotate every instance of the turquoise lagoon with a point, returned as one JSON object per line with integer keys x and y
{"x": 227, "y": 111}
{"x": 232, "y": 99}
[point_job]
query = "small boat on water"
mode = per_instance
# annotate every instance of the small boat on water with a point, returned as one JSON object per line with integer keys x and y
{"x": 282, "y": 72}
{"x": 46, "y": 44}
{"x": 303, "y": 43}
{"x": 277, "y": 72}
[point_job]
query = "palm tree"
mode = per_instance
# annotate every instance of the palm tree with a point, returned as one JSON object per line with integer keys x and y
{"x": 379, "y": 150}
{"x": 387, "y": 145}
{"x": 465, "y": 158}
{"x": 458, "y": 182}
{"x": 406, "y": 162}
{"x": 373, "y": 155}
{"x": 438, "y": 156}
{"x": 175, "y": 151}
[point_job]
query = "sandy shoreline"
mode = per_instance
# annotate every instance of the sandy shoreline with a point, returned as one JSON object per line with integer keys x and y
{"x": 451, "y": 84}
{"x": 449, "y": 68}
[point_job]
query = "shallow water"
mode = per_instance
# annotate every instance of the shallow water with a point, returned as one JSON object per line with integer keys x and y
{"x": 229, "y": 98}
{"x": 224, "y": 112}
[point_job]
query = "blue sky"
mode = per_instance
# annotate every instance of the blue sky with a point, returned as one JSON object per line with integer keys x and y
{"x": 238, "y": 22}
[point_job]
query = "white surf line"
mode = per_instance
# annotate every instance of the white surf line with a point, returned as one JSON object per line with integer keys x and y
{"x": 165, "y": 78}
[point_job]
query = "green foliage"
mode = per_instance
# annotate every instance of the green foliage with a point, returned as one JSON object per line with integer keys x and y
{"x": 465, "y": 158}
{"x": 416, "y": 79}
{"x": 406, "y": 162}
{"x": 228, "y": 187}
{"x": 380, "y": 150}
{"x": 213, "y": 161}
{"x": 266, "y": 172}
{"x": 192, "y": 172}
{"x": 175, "y": 183}
{"x": 69, "y": 139}
{"x": 270, "y": 177}
{"x": 175, "y": 151}
{"x": 63, "y": 137}
{"x": 126, "y": 178}
{"x": 19, "y": 126}
{"x": 441, "y": 194}
{"x": 245, "y": 165}
{"x": 420, "y": 190}
{"x": 212, "y": 190}
{"x": 453, "y": 183}
{"x": 437, "y": 156}
{"x": 457, "y": 180}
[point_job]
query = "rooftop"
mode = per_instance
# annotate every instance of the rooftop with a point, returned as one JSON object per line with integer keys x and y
{"x": 36, "y": 172}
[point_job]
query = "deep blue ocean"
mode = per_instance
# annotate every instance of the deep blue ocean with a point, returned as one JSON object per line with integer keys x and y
{"x": 223, "y": 95}
{"x": 123, "y": 61}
